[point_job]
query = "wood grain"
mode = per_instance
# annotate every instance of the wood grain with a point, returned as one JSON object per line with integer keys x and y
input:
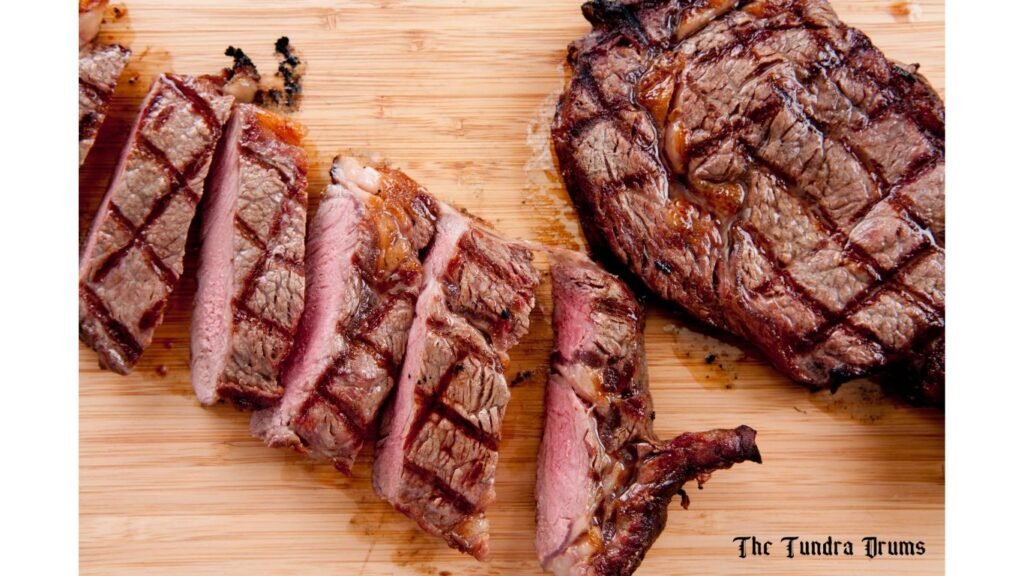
{"x": 459, "y": 94}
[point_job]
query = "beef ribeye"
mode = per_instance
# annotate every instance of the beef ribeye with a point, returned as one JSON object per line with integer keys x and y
{"x": 764, "y": 167}
{"x": 438, "y": 449}
{"x": 134, "y": 253}
{"x": 251, "y": 278}
{"x": 364, "y": 275}
{"x": 604, "y": 480}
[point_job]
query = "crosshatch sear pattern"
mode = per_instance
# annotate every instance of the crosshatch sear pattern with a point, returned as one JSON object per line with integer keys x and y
{"x": 251, "y": 267}
{"x": 134, "y": 256}
{"x": 437, "y": 456}
{"x": 364, "y": 276}
{"x": 765, "y": 167}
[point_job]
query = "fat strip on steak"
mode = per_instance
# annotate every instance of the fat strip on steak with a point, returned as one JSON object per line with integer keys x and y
{"x": 90, "y": 17}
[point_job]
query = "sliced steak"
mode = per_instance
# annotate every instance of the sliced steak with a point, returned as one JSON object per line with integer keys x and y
{"x": 133, "y": 257}
{"x": 604, "y": 480}
{"x": 438, "y": 449}
{"x": 764, "y": 167}
{"x": 251, "y": 264}
{"x": 99, "y": 67}
{"x": 364, "y": 275}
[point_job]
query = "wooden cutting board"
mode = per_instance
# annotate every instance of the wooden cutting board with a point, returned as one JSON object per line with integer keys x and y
{"x": 459, "y": 94}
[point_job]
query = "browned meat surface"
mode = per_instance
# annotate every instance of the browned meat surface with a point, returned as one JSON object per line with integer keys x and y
{"x": 99, "y": 67}
{"x": 364, "y": 275}
{"x": 764, "y": 167}
{"x": 251, "y": 264}
{"x": 604, "y": 480}
{"x": 133, "y": 257}
{"x": 438, "y": 449}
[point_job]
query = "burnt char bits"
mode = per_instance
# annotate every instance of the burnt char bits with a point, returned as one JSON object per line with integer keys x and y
{"x": 242, "y": 80}
{"x": 290, "y": 70}
{"x": 281, "y": 93}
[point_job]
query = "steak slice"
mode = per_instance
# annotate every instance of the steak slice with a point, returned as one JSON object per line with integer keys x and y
{"x": 251, "y": 271}
{"x": 364, "y": 276}
{"x": 133, "y": 257}
{"x": 764, "y": 167}
{"x": 438, "y": 449}
{"x": 604, "y": 480}
{"x": 99, "y": 67}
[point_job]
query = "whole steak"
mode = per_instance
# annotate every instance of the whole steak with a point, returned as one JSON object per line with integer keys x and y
{"x": 767, "y": 169}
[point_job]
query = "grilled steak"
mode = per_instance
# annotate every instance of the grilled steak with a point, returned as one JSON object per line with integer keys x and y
{"x": 438, "y": 450}
{"x": 251, "y": 271}
{"x": 133, "y": 256}
{"x": 364, "y": 276}
{"x": 604, "y": 480}
{"x": 764, "y": 167}
{"x": 99, "y": 67}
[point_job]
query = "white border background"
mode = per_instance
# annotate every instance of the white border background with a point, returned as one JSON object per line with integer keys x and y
{"x": 985, "y": 214}
{"x": 39, "y": 243}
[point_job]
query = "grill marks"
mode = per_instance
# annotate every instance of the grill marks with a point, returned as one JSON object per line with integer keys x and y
{"x": 251, "y": 272}
{"x": 125, "y": 275}
{"x": 364, "y": 275}
{"x": 437, "y": 455}
{"x": 180, "y": 179}
{"x": 129, "y": 347}
{"x": 356, "y": 332}
{"x": 836, "y": 130}
{"x": 99, "y": 67}
{"x": 449, "y": 494}
{"x": 602, "y": 498}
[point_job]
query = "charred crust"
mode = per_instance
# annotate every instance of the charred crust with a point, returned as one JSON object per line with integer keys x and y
{"x": 283, "y": 47}
{"x": 289, "y": 70}
{"x": 242, "y": 64}
{"x": 610, "y": 13}
{"x": 748, "y": 447}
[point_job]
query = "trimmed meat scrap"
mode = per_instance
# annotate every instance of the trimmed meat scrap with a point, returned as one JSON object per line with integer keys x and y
{"x": 604, "y": 480}
{"x": 764, "y": 167}
{"x": 363, "y": 274}
{"x": 134, "y": 254}
{"x": 251, "y": 263}
{"x": 90, "y": 16}
{"x": 438, "y": 449}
